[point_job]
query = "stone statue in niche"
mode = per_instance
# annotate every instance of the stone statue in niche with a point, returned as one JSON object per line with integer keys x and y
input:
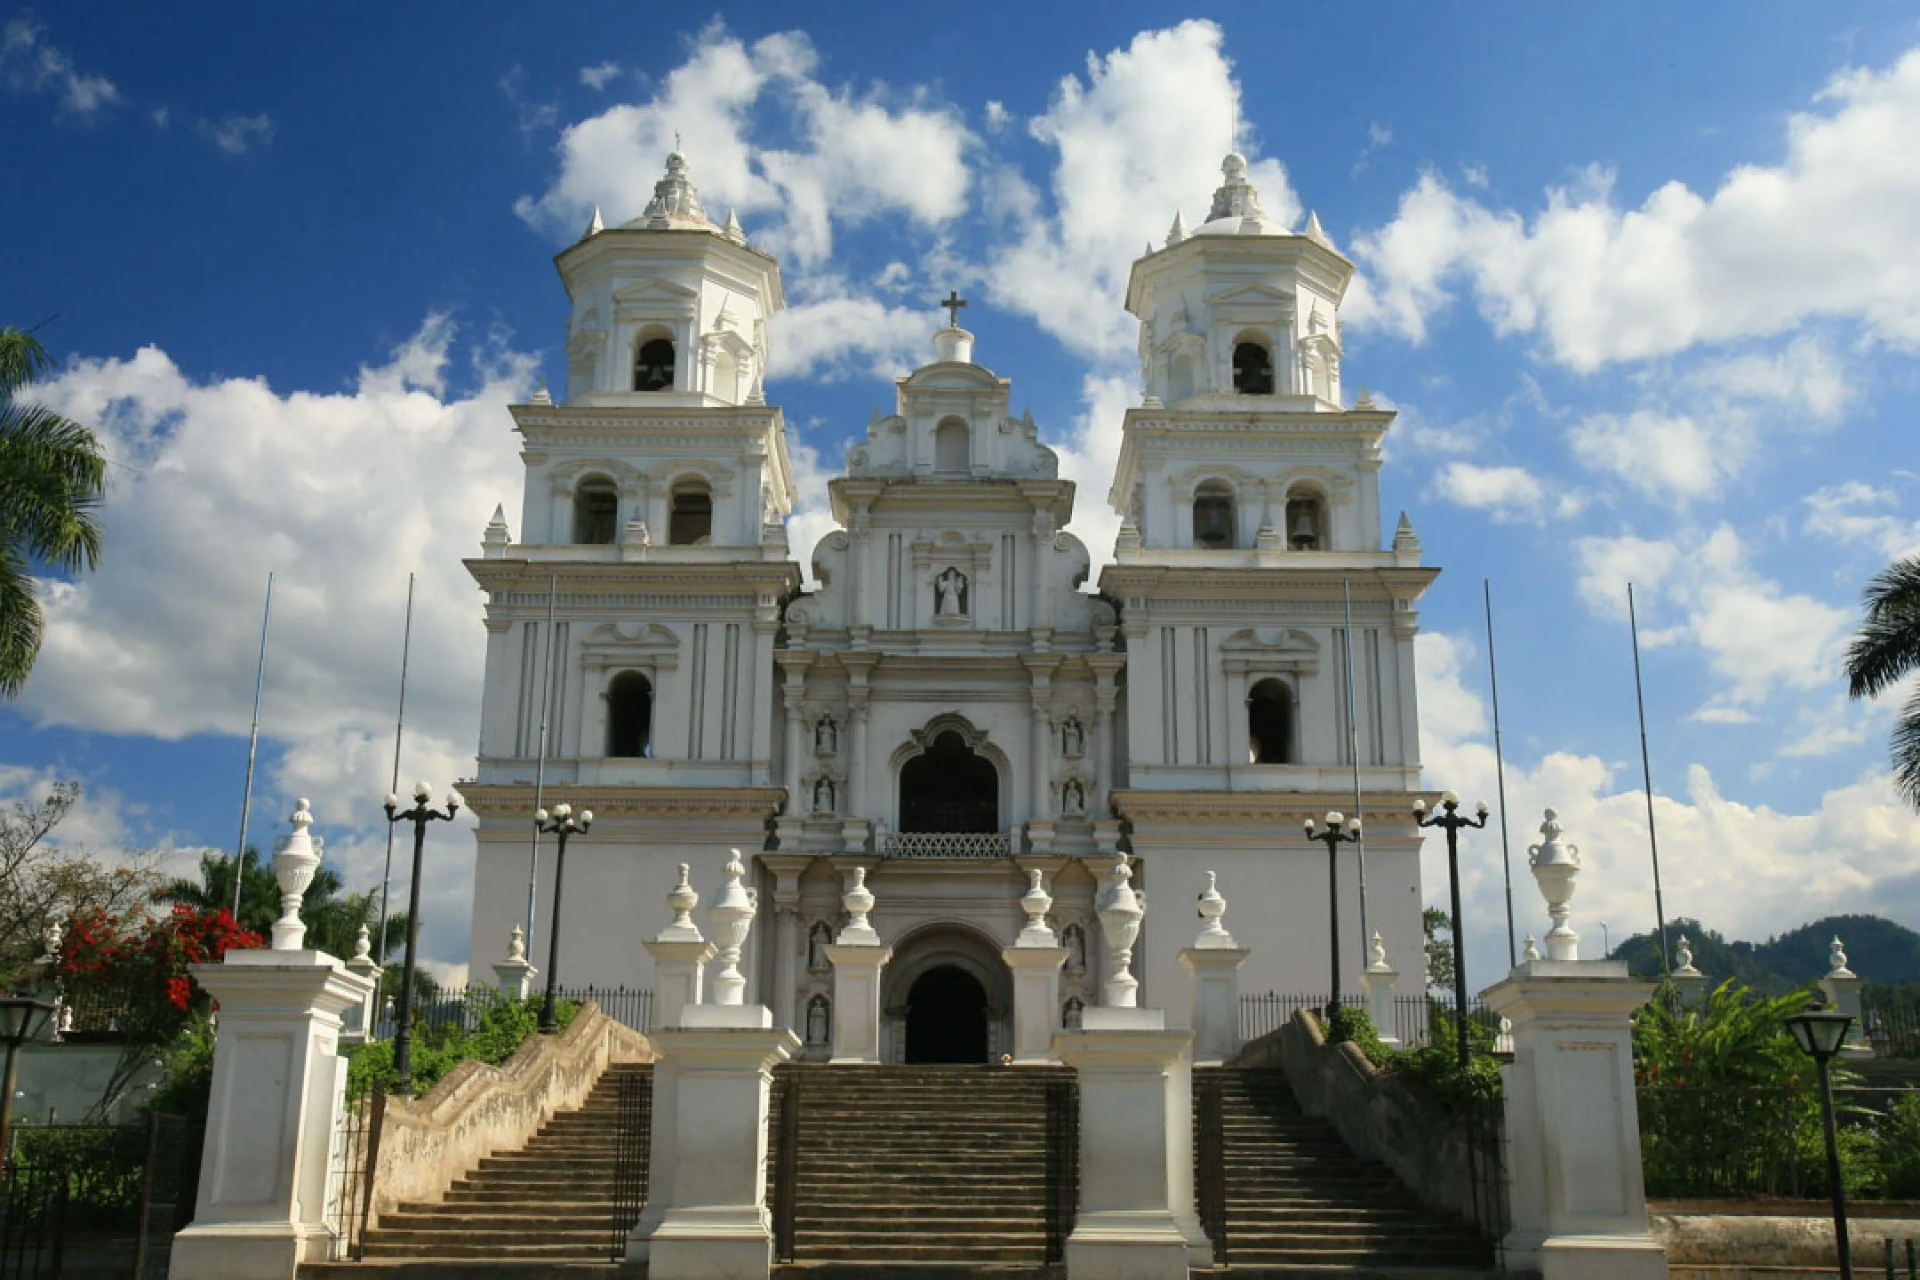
{"x": 950, "y": 589}
{"x": 1073, "y": 798}
{"x": 1074, "y": 939}
{"x": 1070, "y": 1013}
{"x": 818, "y": 939}
{"x": 826, "y": 736}
{"x": 819, "y": 1021}
{"x": 1073, "y": 739}
{"x": 823, "y": 795}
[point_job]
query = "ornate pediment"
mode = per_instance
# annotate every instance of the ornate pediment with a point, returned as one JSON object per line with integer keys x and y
{"x": 616, "y": 644}
{"x": 1260, "y": 649}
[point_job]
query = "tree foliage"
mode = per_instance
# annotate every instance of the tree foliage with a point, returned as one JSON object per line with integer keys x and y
{"x": 43, "y": 881}
{"x": 1437, "y": 926}
{"x": 1885, "y": 651}
{"x": 52, "y": 477}
{"x": 333, "y": 917}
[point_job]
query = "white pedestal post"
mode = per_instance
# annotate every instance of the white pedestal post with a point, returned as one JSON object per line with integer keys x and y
{"x": 1377, "y": 980}
{"x": 1841, "y": 987}
{"x": 1578, "y": 1193}
{"x": 1036, "y": 1002}
{"x": 679, "y": 972}
{"x": 514, "y": 975}
{"x": 715, "y": 1224}
{"x": 856, "y": 999}
{"x": 276, "y": 1082}
{"x": 1216, "y": 1001}
{"x": 1130, "y": 1070}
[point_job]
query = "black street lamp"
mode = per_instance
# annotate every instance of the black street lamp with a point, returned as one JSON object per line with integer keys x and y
{"x": 1820, "y": 1032}
{"x": 563, "y": 824}
{"x": 1333, "y": 837}
{"x": 420, "y": 815}
{"x": 1449, "y": 820}
{"x": 21, "y": 1019}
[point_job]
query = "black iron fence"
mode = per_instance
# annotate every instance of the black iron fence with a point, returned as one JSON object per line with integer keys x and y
{"x": 436, "y": 1007}
{"x": 1063, "y": 1163}
{"x": 631, "y": 1167}
{"x": 1703, "y": 1141}
{"x": 355, "y": 1152}
{"x": 1890, "y": 1021}
{"x": 1417, "y": 1020}
{"x": 96, "y": 1199}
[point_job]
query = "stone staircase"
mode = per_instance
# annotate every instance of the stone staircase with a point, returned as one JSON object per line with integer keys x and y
{"x": 924, "y": 1171}
{"x": 552, "y": 1201}
{"x": 1299, "y": 1203}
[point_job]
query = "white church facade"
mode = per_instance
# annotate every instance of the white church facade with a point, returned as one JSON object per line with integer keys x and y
{"x": 947, "y": 700}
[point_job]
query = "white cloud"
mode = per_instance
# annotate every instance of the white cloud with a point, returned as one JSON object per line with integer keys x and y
{"x": 1504, "y": 493}
{"x": 597, "y": 77}
{"x": 840, "y": 335}
{"x": 1088, "y": 457}
{"x": 1853, "y": 513}
{"x": 858, "y": 156}
{"x": 1757, "y": 638}
{"x": 28, "y": 64}
{"x": 1127, "y": 160}
{"x": 162, "y": 117}
{"x": 1661, "y": 455}
{"x": 236, "y": 135}
{"x": 1824, "y": 233}
{"x": 1803, "y": 377}
{"x": 1475, "y": 175}
{"x": 998, "y": 117}
{"x": 1750, "y": 871}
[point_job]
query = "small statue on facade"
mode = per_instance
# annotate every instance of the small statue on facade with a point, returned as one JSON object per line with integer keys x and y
{"x": 818, "y": 939}
{"x": 1073, "y": 798}
{"x": 1073, "y": 739}
{"x": 826, "y": 736}
{"x": 819, "y": 1021}
{"x": 823, "y": 795}
{"x": 951, "y": 589}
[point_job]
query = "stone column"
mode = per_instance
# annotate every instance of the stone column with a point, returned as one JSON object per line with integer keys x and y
{"x": 278, "y": 1084}
{"x": 858, "y": 958}
{"x": 1377, "y": 981}
{"x": 1213, "y": 962}
{"x": 1035, "y": 958}
{"x": 860, "y": 764}
{"x": 356, "y": 1025}
{"x": 680, "y": 957}
{"x": 514, "y": 975}
{"x": 1842, "y": 986}
{"x": 1579, "y": 1207}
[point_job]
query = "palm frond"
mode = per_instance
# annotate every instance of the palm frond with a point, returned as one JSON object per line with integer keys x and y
{"x": 1887, "y": 646}
{"x": 52, "y": 476}
{"x": 21, "y": 623}
{"x": 21, "y": 358}
{"x": 1906, "y": 751}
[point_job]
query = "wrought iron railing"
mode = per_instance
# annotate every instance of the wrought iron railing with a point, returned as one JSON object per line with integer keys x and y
{"x": 946, "y": 844}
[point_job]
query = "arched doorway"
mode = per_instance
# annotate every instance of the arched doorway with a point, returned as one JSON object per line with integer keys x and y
{"x": 946, "y": 1017}
{"x": 950, "y": 788}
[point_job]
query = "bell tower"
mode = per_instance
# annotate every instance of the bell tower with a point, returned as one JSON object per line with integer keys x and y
{"x": 630, "y": 629}
{"x": 1248, "y": 490}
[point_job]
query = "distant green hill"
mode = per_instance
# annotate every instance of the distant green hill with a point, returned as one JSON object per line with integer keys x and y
{"x": 1882, "y": 952}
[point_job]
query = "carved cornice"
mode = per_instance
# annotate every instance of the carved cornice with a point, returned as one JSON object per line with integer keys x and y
{"x": 517, "y": 800}
{"x": 1281, "y": 813}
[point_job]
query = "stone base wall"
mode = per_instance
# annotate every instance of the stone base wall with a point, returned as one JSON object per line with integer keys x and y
{"x": 477, "y": 1110}
{"x": 1380, "y": 1116}
{"x": 1729, "y": 1244}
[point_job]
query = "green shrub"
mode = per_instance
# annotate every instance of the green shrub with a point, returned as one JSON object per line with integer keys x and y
{"x": 499, "y": 1028}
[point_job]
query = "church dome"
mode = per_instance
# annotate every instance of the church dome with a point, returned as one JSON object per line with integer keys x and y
{"x": 1236, "y": 207}
{"x": 676, "y": 201}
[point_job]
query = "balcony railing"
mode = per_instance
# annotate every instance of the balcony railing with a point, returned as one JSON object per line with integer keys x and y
{"x": 945, "y": 844}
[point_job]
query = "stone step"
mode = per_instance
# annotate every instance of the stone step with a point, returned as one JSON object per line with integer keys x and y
{"x": 573, "y": 1215}
{"x": 524, "y": 1250}
{"x": 594, "y": 1236}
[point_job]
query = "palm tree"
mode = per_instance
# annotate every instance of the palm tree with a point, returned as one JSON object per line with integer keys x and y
{"x": 333, "y": 919}
{"x": 52, "y": 475}
{"x": 1887, "y": 650}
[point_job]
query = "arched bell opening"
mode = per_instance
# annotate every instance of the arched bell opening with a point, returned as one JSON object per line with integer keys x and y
{"x": 1270, "y": 723}
{"x": 1252, "y": 368}
{"x": 1213, "y": 517}
{"x": 630, "y": 715}
{"x": 950, "y": 788}
{"x": 653, "y": 363}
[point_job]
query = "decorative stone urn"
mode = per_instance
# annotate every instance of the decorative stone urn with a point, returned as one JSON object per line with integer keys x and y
{"x": 1036, "y": 902}
{"x": 683, "y": 900}
{"x": 1213, "y": 935}
{"x": 1120, "y": 912}
{"x": 1556, "y": 864}
{"x": 295, "y": 859}
{"x": 730, "y": 917}
{"x": 858, "y": 902}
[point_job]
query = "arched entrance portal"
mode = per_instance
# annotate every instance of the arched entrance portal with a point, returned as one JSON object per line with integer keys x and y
{"x": 946, "y": 997}
{"x": 946, "y": 1017}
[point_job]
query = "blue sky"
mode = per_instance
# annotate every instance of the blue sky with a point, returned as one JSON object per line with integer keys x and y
{"x": 1640, "y": 279}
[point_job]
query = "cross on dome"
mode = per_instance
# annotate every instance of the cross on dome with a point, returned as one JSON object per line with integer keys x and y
{"x": 953, "y": 304}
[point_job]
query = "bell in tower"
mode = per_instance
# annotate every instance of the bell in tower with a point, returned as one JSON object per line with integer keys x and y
{"x": 1252, "y": 370}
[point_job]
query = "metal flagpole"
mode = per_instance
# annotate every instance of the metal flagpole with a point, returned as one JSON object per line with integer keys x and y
{"x": 1353, "y": 748}
{"x": 1646, "y": 775}
{"x": 540, "y": 768}
{"x": 1500, "y": 772}
{"x": 253, "y": 746}
{"x": 399, "y": 724}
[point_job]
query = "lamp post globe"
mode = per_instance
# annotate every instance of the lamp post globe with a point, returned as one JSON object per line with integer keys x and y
{"x": 1820, "y": 1031}
{"x": 560, "y": 823}
{"x": 419, "y": 815}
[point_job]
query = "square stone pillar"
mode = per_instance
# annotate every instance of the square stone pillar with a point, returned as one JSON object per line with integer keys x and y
{"x": 1131, "y": 1073}
{"x": 712, "y": 1221}
{"x": 1577, "y": 1191}
{"x": 1036, "y": 1002}
{"x": 1215, "y": 972}
{"x": 679, "y": 976}
{"x": 856, "y": 999}
{"x": 277, "y": 1085}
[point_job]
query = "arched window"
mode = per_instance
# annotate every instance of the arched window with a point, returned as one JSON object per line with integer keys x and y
{"x": 690, "y": 523}
{"x": 952, "y": 448}
{"x": 653, "y": 365}
{"x": 950, "y": 789}
{"x": 630, "y": 715}
{"x": 1306, "y": 521}
{"x": 1270, "y": 723}
{"x": 596, "y": 506}
{"x": 1252, "y": 369}
{"x": 1213, "y": 516}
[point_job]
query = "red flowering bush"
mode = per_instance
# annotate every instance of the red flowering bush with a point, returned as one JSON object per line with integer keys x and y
{"x": 129, "y": 972}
